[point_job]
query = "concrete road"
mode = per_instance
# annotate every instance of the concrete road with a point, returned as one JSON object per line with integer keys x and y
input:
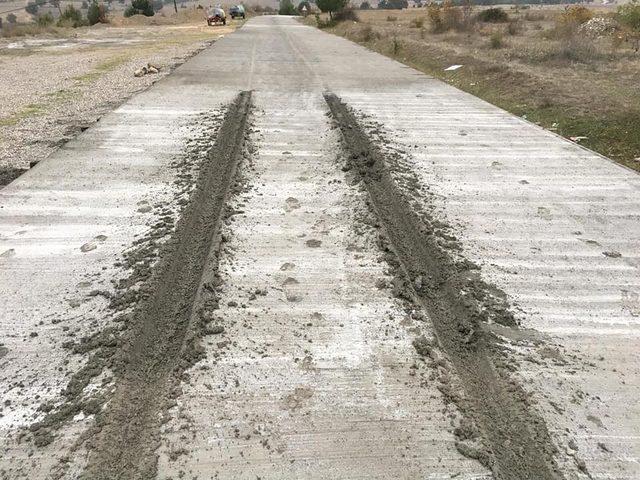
{"x": 315, "y": 375}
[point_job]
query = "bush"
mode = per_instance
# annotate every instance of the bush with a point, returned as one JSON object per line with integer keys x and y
{"x": 534, "y": 16}
{"x": 396, "y": 45}
{"x": 84, "y": 4}
{"x": 324, "y": 23}
{"x": 514, "y": 27}
{"x": 571, "y": 49}
{"x": 365, "y": 6}
{"x": 45, "y": 20}
{"x": 71, "y": 17}
{"x": 139, "y": 7}
{"x": 11, "y": 18}
{"x": 31, "y": 8}
{"x": 495, "y": 40}
{"x": 96, "y": 13}
{"x": 287, "y": 8}
{"x": 452, "y": 18}
{"x": 157, "y": 5}
{"x": 575, "y": 15}
{"x": 568, "y": 23}
{"x": 629, "y": 15}
{"x": 392, "y": 18}
{"x": 493, "y": 15}
{"x": 435, "y": 18}
{"x": 369, "y": 34}
{"x": 346, "y": 14}
{"x": 417, "y": 22}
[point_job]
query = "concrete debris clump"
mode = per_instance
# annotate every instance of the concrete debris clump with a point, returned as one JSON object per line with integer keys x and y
{"x": 146, "y": 70}
{"x": 598, "y": 27}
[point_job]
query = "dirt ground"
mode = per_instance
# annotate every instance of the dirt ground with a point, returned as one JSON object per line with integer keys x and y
{"x": 582, "y": 88}
{"x": 55, "y": 86}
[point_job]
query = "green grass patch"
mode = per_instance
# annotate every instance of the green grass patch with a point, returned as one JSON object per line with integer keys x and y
{"x": 29, "y": 111}
{"x": 103, "y": 68}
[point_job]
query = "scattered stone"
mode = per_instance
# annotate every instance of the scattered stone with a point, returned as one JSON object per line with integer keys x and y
{"x": 87, "y": 247}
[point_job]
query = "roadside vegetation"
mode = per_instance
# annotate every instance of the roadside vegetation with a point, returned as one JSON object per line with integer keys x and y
{"x": 571, "y": 69}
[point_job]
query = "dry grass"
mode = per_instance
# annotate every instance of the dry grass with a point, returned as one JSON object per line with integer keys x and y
{"x": 530, "y": 66}
{"x": 31, "y": 30}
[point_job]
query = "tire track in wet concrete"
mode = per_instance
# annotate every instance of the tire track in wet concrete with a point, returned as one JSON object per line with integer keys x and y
{"x": 166, "y": 323}
{"x": 314, "y": 376}
{"x": 514, "y": 441}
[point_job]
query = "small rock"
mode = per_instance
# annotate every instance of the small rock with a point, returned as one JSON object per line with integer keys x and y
{"x": 87, "y": 247}
{"x": 215, "y": 329}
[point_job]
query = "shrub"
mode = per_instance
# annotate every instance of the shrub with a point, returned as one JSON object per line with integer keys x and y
{"x": 287, "y": 8}
{"x": 31, "y": 8}
{"x": 346, "y": 14}
{"x": 157, "y": 5}
{"x": 569, "y": 21}
{"x": 11, "y": 18}
{"x": 71, "y": 17}
{"x": 324, "y": 23}
{"x": 534, "y": 16}
{"x": 493, "y": 15}
{"x": 139, "y": 7}
{"x": 391, "y": 18}
{"x": 369, "y": 34}
{"x": 495, "y": 40}
{"x": 629, "y": 15}
{"x": 573, "y": 49}
{"x": 575, "y": 15}
{"x": 435, "y": 18}
{"x": 365, "y": 6}
{"x": 514, "y": 27}
{"x": 84, "y": 4}
{"x": 45, "y": 20}
{"x": 396, "y": 46}
{"x": 96, "y": 13}
{"x": 417, "y": 22}
{"x": 452, "y": 18}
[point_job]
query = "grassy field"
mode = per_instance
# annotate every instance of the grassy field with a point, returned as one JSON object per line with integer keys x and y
{"x": 533, "y": 65}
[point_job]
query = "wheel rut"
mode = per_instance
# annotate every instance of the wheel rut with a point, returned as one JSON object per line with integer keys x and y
{"x": 499, "y": 427}
{"x": 163, "y": 339}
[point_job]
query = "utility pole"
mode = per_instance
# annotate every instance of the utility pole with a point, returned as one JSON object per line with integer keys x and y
{"x": 175, "y": 5}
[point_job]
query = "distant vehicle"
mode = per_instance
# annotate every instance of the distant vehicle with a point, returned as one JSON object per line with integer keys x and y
{"x": 216, "y": 16}
{"x": 237, "y": 11}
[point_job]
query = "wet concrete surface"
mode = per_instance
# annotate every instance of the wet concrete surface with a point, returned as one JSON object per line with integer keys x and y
{"x": 316, "y": 378}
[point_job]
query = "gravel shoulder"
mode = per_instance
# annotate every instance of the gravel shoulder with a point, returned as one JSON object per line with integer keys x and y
{"x": 55, "y": 88}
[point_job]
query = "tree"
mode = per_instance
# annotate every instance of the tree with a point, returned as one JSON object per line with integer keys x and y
{"x": 287, "y": 8}
{"x": 96, "y": 13}
{"x": 331, "y": 6}
{"x": 139, "y": 7}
